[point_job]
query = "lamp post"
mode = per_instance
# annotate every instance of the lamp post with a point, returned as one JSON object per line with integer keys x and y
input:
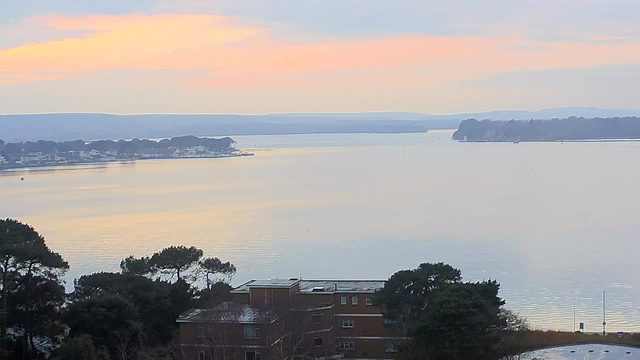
{"x": 604, "y": 318}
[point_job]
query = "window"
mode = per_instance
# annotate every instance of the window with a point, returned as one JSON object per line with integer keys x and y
{"x": 347, "y": 324}
{"x": 317, "y": 318}
{"x": 389, "y": 321}
{"x": 318, "y": 341}
{"x": 200, "y": 331}
{"x": 251, "y": 332}
{"x": 201, "y": 355}
{"x": 391, "y": 347}
{"x": 369, "y": 301}
{"x": 354, "y": 300}
{"x": 347, "y": 346}
{"x": 252, "y": 355}
{"x": 343, "y": 300}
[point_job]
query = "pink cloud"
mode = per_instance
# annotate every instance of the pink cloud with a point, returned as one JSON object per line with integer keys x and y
{"x": 18, "y": 77}
{"x": 127, "y": 41}
{"x": 240, "y": 56}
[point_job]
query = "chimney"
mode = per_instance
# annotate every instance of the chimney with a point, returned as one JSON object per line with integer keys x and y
{"x": 335, "y": 286}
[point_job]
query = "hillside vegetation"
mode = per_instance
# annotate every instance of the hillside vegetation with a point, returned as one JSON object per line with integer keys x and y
{"x": 571, "y": 128}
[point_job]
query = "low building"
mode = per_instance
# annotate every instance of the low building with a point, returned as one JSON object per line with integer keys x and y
{"x": 290, "y": 319}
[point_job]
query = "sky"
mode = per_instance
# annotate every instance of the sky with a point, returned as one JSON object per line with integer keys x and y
{"x": 266, "y": 56}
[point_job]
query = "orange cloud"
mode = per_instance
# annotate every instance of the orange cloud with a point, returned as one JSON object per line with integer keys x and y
{"x": 249, "y": 56}
{"x": 18, "y": 77}
{"x": 128, "y": 41}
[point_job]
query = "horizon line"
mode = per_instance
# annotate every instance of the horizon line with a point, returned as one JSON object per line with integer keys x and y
{"x": 317, "y": 112}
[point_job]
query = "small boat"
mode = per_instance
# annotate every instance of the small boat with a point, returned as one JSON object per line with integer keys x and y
{"x": 517, "y": 142}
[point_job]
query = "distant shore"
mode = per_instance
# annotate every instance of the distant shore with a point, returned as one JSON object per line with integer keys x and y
{"x": 560, "y": 141}
{"x": 11, "y": 167}
{"x": 44, "y": 153}
{"x": 554, "y": 130}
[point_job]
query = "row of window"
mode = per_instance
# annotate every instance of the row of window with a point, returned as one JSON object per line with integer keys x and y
{"x": 354, "y": 301}
{"x": 349, "y": 324}
{"x": 250, "y": 332}
{"x": 253, "y": 332}
{"x": 249, "y": 355}
{"x": 390, "y": 347}
{"x": 318, "y": 341}
{"x": 345, "y": 324}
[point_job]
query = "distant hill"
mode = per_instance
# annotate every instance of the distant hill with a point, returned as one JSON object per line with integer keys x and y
{"x": 545, "y": 114}
{"x": 67, "y": 127}
{"x": 560, "y": 112}
{"x": 72, "y": 126}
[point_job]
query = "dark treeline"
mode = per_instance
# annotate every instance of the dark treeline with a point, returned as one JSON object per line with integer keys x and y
{"x": 131, "y": 314}
{"x": 123, "y": 146}
{"x": 441, "y": 317}
{"x": 126, "y": 315}
{"x": 571, "y": 128}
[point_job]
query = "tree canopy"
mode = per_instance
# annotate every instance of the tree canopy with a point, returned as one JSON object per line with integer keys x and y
{"x": 127, "y": 315}
{"x": 407, "y": 292}
{"x": 121, "y": 146}
{"x": 132, "y": 315}
{"x": 137, "y": 266}
{"x": 212, "y": 267}
{"x": 158, "y": 303}
{"x": 176, "y": 260}
{"x": 31, "y": 269}
{"x": 464, "y": 321}
{"x": 80, "y": 348}
{"x": 108, "y": 319}
{"x": 571, "y": 128}
{"x": 442, "y": 318}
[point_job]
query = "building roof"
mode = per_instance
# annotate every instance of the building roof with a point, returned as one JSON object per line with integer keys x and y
{"x": 271, "y": 283}
{"x": 229, "y": 313}
{"x": 341, "y": 286}
{"x": 315, "y": 286}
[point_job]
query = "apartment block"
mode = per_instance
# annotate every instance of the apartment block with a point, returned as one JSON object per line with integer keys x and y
{"x": 291, "y": 319}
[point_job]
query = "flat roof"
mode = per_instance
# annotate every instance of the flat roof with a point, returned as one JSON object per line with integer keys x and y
{"x": 320, "y": 286}
{"x": 271, "y": 283}
{"x": 339, "y": 286}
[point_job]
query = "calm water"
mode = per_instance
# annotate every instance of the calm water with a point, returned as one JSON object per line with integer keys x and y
{"x": 554, "y": 223}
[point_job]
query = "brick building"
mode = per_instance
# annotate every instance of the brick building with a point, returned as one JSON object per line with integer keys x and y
{"x": 287, "y": 319}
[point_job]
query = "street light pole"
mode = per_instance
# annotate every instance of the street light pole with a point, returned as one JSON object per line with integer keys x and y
{"x": 574, "y": 317}
{"x": 604, "y": 318}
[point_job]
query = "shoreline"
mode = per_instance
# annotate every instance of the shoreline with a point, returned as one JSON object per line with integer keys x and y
{"x": 552, "y": 141}
{"x": 38, "y": 167}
